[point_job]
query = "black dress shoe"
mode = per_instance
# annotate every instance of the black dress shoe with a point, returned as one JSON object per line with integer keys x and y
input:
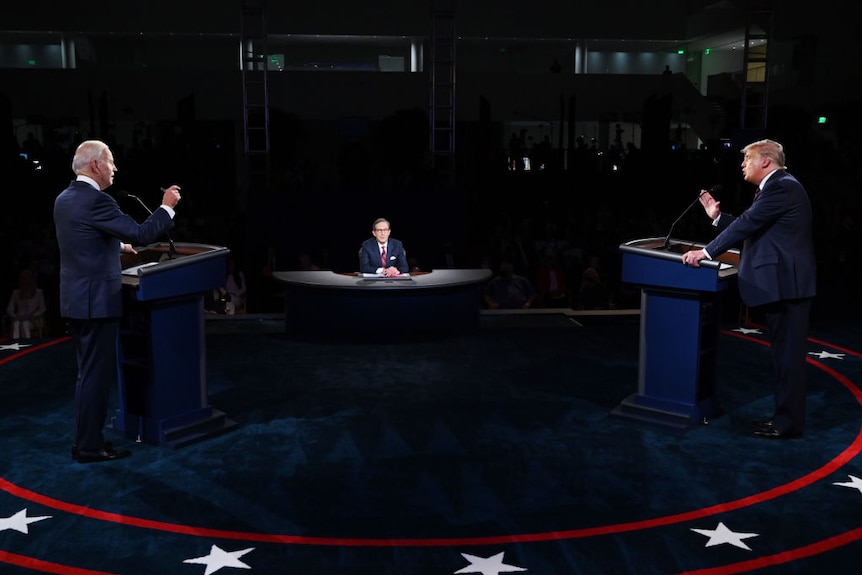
{"x": 769, "y": 431}
{"x": 107, "y": 453}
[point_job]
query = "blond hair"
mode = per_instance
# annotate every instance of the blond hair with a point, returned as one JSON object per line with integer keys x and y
{"x": 769, "y": 149}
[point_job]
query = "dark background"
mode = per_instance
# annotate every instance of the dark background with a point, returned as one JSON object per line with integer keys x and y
{"x": 349, "y": 147}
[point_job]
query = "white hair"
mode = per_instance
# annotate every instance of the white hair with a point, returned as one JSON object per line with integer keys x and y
{"x": 86, "y": 152}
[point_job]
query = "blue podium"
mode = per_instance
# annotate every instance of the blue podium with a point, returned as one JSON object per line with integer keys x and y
{"x": 679, "y": 327}
{"x": 162, "y": 358}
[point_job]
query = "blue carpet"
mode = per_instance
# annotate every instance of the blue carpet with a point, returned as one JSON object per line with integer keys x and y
{"x": 492, "y": 452}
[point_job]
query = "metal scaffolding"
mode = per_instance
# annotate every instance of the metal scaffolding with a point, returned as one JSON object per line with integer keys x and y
{"x": 442, "y": 108}
{"x": 755, "y": 82}
{"x": 255, "y": 95}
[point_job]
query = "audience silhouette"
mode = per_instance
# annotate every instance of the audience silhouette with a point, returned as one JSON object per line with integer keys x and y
{"x": 552, "y": 224}
{"x": 26, "y": 307}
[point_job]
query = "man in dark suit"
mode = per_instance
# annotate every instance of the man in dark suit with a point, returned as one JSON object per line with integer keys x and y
{"x": 91, "y": 230}
{"x": 382, "y": 254}
{"x": 777, "y": 271}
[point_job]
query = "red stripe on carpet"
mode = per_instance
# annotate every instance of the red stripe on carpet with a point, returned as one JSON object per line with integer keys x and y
{"x": 783, "y": 557}
{"x": 45, "y": 566}
{"x": 24, "y": 352}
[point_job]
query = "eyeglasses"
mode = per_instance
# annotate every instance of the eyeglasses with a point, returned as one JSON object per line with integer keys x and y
{"x": 381, "y": 230}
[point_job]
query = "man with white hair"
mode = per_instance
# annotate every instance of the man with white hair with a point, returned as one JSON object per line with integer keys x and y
{"x": 92, "y": 231}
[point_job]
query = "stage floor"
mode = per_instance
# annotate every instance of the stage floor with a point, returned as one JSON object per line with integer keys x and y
{"x": 490, "y": 452}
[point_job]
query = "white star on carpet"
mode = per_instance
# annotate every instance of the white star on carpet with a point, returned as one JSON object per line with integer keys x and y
{"x": 854, "y": 483}
{"x": 487, "y": 565}
{"x": 13, "y": 346}
{"x": 747, "y": 331}
{"x": 826, "y": 355}
{"x": 219, "y": 558}
{"x": 722, "y": 534}
{"x": 20, "y": 521}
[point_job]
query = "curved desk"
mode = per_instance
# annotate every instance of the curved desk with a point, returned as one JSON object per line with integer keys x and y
{"x": 327, "y": 302}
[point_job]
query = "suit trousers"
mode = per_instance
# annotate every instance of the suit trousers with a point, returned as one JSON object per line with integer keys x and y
{"x": 96, "y": 343}
{"x": 787, "y": 322}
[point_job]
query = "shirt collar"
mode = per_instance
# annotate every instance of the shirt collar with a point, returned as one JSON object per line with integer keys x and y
{"x": 766, "y": 177}
{"x": 88, "y": 180}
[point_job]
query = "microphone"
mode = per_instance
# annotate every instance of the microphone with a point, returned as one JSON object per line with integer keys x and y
{"x": 172, "y": 250}
{"x": 713, "y": 189}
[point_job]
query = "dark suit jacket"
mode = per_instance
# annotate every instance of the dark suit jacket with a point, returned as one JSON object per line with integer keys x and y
{"x": 89, "y": 227}
{"x": 777, "y": 260}
{"x": 369, "y": 256}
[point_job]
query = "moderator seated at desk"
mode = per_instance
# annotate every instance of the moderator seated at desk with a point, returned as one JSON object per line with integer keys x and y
{"x": 325, "y": 301}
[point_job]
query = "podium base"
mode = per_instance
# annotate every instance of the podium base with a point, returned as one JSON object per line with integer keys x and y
{"x": 668, "y": 414}
{"x": 174, "y": 432}
{"x": 217, "y": 424}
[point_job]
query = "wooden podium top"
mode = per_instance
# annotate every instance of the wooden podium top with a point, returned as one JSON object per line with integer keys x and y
{"x": 195, "y": 268}
{"x": 657, "y": 262}
{"x": 676, "y": 247}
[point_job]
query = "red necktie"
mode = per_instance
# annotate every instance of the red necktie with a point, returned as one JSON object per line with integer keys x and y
{"x": 383, "y": 257}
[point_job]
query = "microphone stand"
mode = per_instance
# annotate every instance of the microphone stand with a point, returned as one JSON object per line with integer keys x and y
{"x": 670, "y": 231}
{"x": 172, "y": 250}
